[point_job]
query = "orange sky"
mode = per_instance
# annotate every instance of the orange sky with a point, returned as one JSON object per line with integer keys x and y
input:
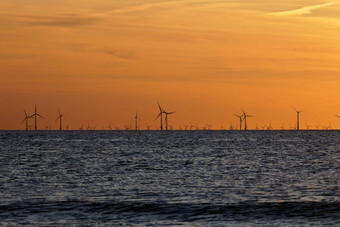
{"x": 100, "y": 61}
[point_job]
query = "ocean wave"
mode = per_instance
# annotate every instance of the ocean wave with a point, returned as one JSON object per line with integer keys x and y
{"x": 183, "y": 212}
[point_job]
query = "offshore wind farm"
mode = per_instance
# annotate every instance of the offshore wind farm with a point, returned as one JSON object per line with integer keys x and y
{"x": 169, "y": 113}
{"x": 162, "y": 117}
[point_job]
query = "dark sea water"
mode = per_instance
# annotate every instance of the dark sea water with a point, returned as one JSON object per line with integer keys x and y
{"x": 192, "y": 178}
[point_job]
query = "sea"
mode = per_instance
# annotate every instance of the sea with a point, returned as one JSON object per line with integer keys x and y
{"x": 170, "y": 178}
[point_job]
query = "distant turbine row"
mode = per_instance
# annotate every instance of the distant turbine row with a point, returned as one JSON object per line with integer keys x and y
{"x": 36, "y": 115}
{"x": 243, "y": 119}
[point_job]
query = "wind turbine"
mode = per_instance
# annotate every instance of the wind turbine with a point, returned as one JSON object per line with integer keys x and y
{"x": 36, "y": 115}
{"x": 60, "y": 117}
{"x": 329, "y": 126}
{"x": 270, "y": 126}
{"x": 245, "y": 115}
{"x": 136, "y": 121}
{"x": 26, "y": 119}
{"x": 241, "y": 120}
{"x": 298, "y": 118}
{"x": 166, "y": 118}
{"x": 161, "y": 111}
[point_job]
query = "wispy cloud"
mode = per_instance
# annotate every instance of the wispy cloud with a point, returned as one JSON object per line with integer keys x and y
{"x": 114, "y": 52}
{"x": 63, "y": 21}
{"x": 120, "y": 53}
{"x": 146, "y": 6}
{"x": 302, "y": 11}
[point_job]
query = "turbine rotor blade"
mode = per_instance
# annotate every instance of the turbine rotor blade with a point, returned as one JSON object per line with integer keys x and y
{"x": 158, "y": 115}
{"x": 244, "y": 113}
{"x": 294, "y": 109}
{"x": 40, "y": 116}
{"x": 160, "y": 108}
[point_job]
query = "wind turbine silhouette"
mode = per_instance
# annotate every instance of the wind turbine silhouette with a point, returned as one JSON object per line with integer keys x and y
{"x": 245, "y": 115}
{"x": 161, "y": 111}
{"x": 166, "y": 118}
{"x": 136, "y": 121}
{"x": 36, "y": 115}
{"x": 241, "y": 120}
{"x": 270, "y": 126}
{"x": 26, "y": 119}
{"x": 60, "y": 117}
{"x": 298, "y": 118}
{"x": 329, "y": 126}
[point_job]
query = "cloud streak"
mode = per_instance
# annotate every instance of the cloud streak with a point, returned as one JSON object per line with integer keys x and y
{"x": 120, "y": 53}
{"x": 302, "y": 11}
{"x": 146, "y": 6}
{"x": 62, "y": 21}
{"x": 70, "y": 20}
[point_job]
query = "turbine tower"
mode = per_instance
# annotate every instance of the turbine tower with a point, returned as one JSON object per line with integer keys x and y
{"x": 136, "y": 121}
{"x": 298, "y": 118}
{"x": 60, "y": 117}
{"x": 161, "y": 111}
{"x": 245, "y": 115}
{"x": 36, "y": 115}
{"x": 26, "y": 119}
{"x": 241, "y": 120}
{"x": 166, "y": 118}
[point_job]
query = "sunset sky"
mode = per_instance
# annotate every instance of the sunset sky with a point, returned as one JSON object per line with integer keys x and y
{"x": 100, "y": 61}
